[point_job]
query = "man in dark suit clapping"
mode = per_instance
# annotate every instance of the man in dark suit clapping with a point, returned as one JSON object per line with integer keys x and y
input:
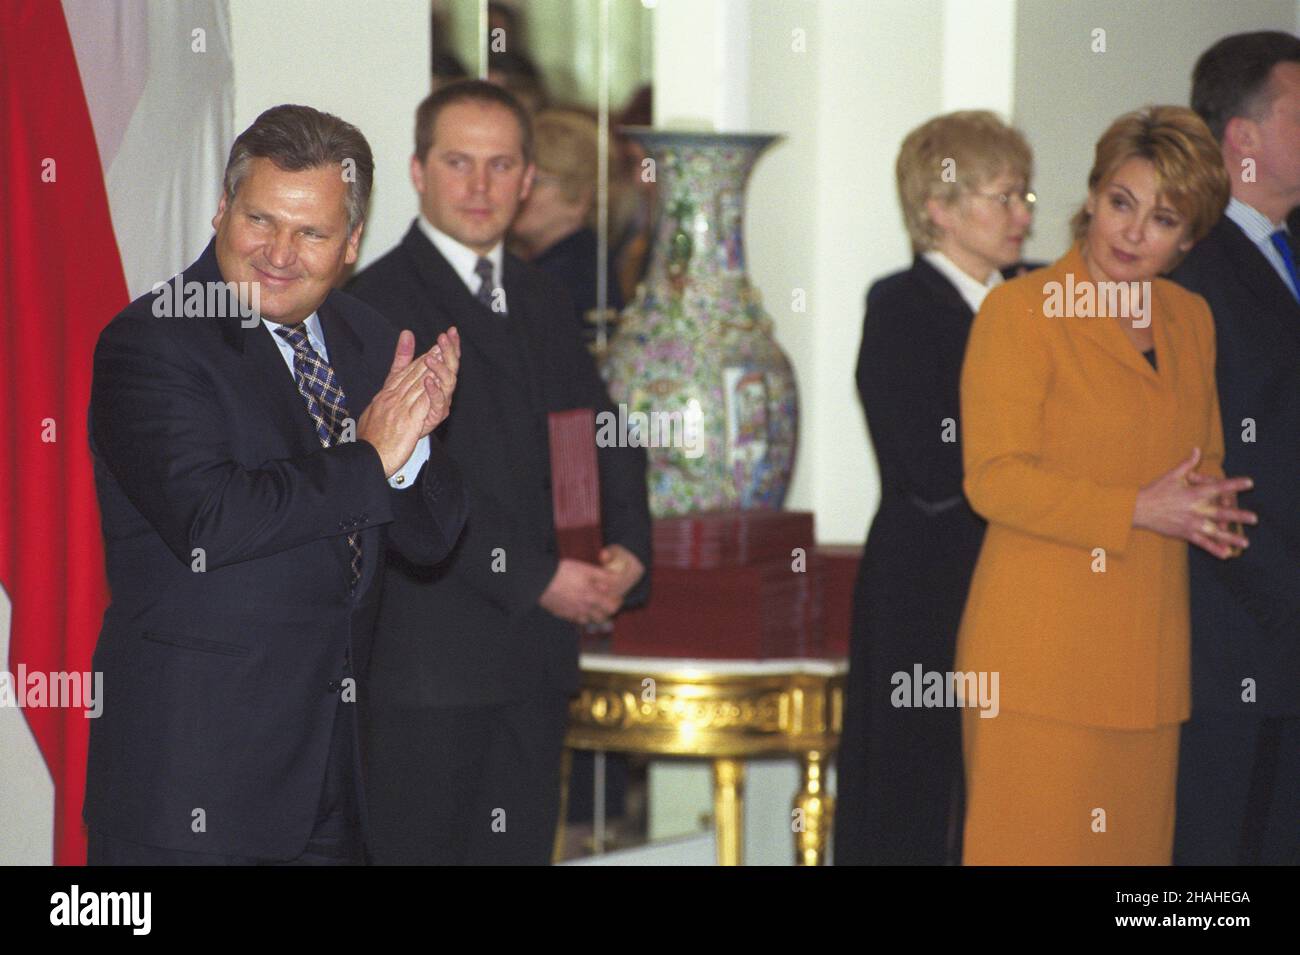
{"x": 246, "y": 513}
{"x": 475, "y": 660}
{"x": 1239, "y": 762}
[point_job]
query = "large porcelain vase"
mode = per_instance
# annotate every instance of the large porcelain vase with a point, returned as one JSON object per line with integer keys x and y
{"x": 696, "y": 347}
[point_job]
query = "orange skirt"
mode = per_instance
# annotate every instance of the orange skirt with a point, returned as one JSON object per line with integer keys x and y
{"x": 1043, "y": 792}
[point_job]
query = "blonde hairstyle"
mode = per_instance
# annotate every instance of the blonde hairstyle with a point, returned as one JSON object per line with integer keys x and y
{"x": 1188, "y": 164}
{"x": 951, "y": 154}
{"x": 564, "y": 143}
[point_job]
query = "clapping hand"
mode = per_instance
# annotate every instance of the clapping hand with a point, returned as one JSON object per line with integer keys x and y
{"x": 443, "y": 360}
{"x": 415, "y": 399}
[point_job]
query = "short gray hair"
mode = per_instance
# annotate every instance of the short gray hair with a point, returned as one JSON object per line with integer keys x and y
{"x": 297, "y": 138}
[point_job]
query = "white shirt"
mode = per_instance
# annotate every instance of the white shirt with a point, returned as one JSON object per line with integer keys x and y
{"x": 462, "y": 258}
{"x": 1260, "y": 230}
{"x": 972, "y": 292}
{"x": 405, "y": 477}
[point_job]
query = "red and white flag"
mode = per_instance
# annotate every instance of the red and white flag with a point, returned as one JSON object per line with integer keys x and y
{"x": 116, "y": 118}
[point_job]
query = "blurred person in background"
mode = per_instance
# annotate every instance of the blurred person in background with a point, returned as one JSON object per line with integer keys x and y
{"x": 553, "y": 229}
{"x": 633, "y": 197}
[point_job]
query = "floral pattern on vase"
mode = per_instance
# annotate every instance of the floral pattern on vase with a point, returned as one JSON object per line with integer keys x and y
{"x": 697, "y": 333}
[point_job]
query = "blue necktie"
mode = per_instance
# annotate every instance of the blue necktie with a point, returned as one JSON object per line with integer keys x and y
{"x": 1288, "y": 259}
{"x": 320, "y": 388}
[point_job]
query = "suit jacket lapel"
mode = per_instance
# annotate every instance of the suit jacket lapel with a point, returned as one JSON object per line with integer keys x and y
{"x": 943, "y": 291}
{"x": 347, "y": 358}
{"x": 346, "y": 352}
{"x": 1104, "y": 332}
{"x": 452, "y": 302}
{"x": 523, "y": 324}
{"x": 273, "y": 383}
{"x": 1262, "y": 281}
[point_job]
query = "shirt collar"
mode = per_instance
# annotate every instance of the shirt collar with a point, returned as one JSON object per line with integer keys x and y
{"x": 971, "y": 291}
{"x": 315, "y": 335}
{"x": 462, "y": 258}
{"x": 1254, "y": 223}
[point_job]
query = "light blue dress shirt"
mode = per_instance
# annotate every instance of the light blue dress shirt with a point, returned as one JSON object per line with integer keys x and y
{"x": 405, "y": 477}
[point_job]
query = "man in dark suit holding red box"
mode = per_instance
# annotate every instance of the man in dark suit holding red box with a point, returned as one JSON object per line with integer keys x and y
{"x": 475, "y": 661}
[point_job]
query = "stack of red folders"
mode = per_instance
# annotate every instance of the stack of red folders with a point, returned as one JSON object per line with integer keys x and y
{"x": 728, "y": 584}
{"x": 575, "y": 484}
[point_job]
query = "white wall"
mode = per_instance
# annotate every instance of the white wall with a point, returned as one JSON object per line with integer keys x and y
{"x": 368, "y": 64}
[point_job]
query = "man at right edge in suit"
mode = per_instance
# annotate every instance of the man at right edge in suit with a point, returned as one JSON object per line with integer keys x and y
{"x": 475, "y": 661}
{"x": 1239, "y": 760}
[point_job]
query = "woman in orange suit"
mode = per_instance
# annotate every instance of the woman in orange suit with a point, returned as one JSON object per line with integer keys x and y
{"x": 1093, "y": 447}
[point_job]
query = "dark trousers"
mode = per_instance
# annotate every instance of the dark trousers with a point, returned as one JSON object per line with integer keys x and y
{"x": 466, "y": 785}
{"x": 1238, "y": 791}
{"x": 335, "y": 838}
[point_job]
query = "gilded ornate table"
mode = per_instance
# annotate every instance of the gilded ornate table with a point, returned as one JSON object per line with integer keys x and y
{"x": 727, "y": 711}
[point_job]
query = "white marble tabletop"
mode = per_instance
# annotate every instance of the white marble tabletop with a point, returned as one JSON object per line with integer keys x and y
{"x": 700, "y": 666}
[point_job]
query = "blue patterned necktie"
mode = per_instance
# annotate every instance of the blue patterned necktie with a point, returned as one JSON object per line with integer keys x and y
{"x": 320, "y": 388}
{"x": 1288, "y": 258}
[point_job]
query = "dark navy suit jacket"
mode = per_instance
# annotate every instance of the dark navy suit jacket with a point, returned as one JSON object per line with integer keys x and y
{"x": 232, "y": 624}
{"x": 1246, "y": 610}
{"x": 497, "y": 645}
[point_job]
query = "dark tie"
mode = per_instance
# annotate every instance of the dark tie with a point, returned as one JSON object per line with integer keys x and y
{"x": 1288, "y": 258}
{"x": 320, "y": 388}
{"x": 486, "y": 287}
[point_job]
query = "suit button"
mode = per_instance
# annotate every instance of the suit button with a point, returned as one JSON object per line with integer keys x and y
{"x": 343, "y": 525}
{"x": 335, "y": 686}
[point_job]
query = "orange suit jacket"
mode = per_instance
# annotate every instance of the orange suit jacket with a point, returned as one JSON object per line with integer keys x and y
{"x": 1084, "y": 617}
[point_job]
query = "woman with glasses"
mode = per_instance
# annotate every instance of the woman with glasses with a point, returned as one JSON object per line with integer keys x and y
{"x": 963, "y": 185}
{"x": 1093, "y": 448}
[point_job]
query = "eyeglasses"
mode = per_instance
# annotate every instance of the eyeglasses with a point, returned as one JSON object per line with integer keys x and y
{"x": 1026, "y": 199}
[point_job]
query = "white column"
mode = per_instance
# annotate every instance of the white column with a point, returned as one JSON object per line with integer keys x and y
{"x": 701, "y": 64}
{"x": 979, "y": 38}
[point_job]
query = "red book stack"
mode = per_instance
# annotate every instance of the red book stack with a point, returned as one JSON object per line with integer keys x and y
{"x": 730, "y": 584}
{"x": 837, "y": 574}
{"x": 575, "y": 484}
